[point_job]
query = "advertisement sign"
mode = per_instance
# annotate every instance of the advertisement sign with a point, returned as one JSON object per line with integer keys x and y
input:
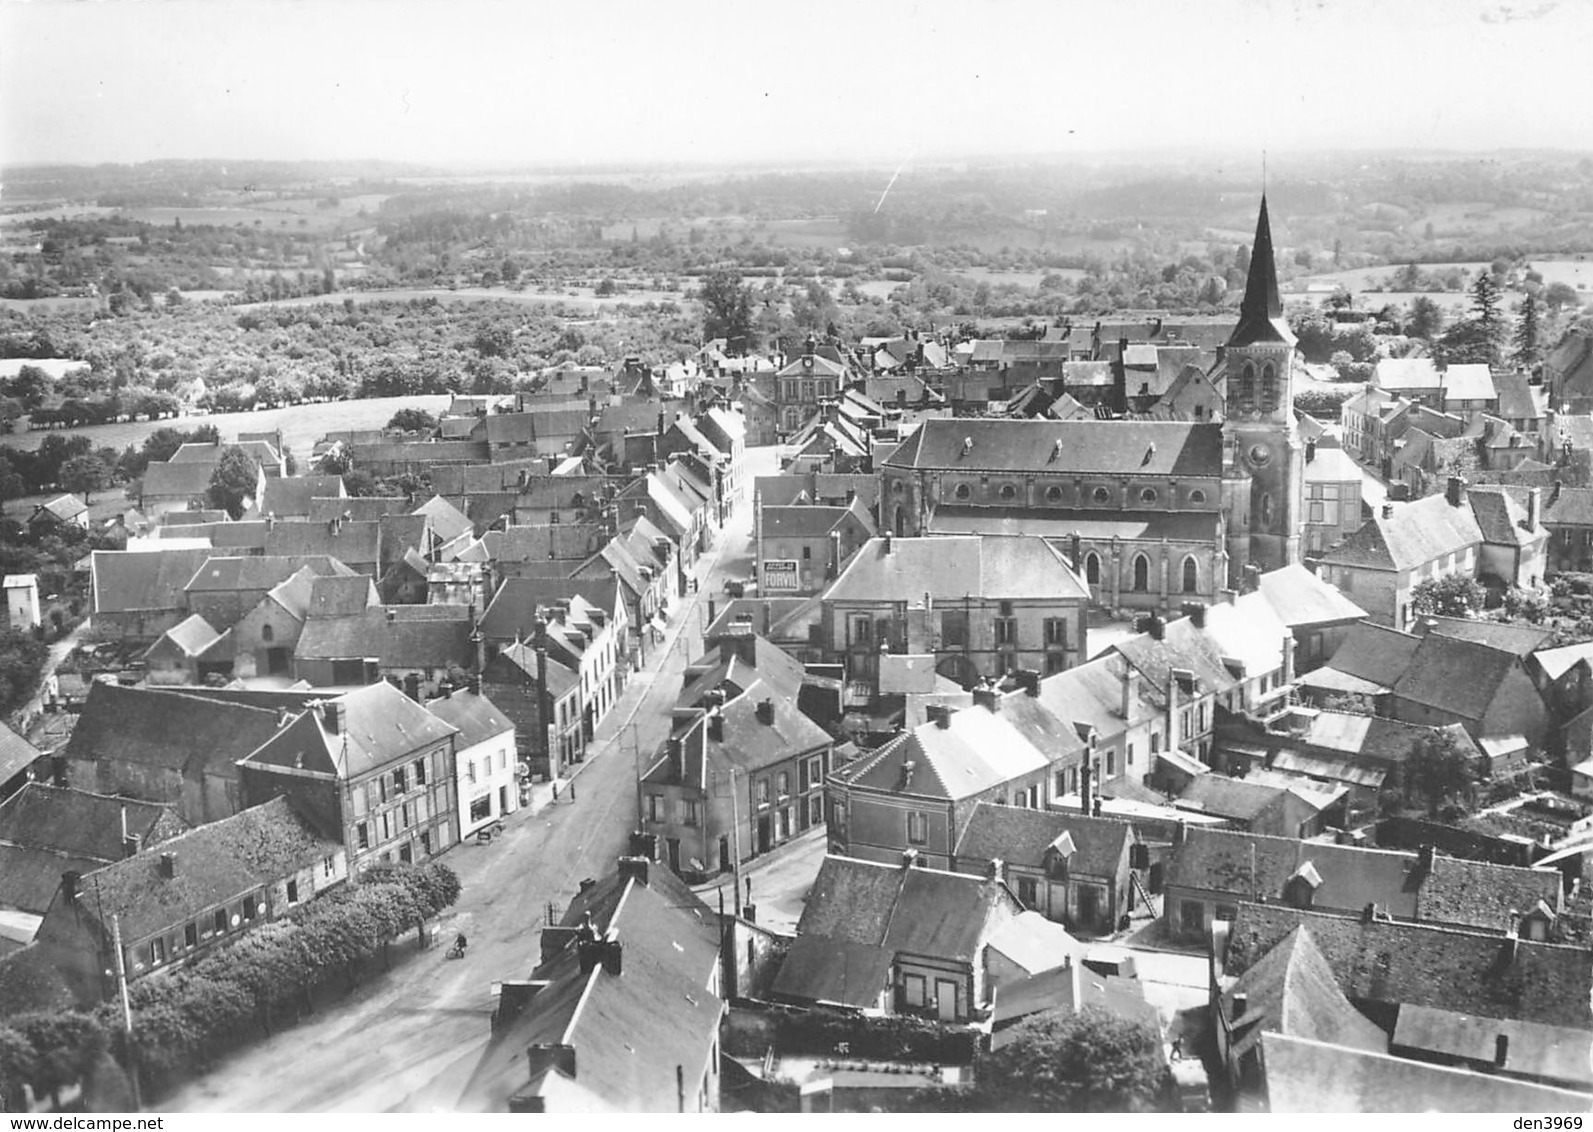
{"x": 779, "y": 575}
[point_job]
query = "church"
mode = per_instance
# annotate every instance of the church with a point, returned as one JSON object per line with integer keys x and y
{"x": 1153, "y": 513}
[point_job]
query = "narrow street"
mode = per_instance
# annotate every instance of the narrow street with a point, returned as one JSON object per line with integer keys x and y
{"x": 408, "y": 1041}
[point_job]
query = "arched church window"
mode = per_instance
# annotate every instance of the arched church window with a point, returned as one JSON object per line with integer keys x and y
{"x": 1197, "y": 496}
{"x": 1266, "y": 509}
{"x": 1092, "y": 568}
{"x": 1269, "y": 388}
{"x": 1141, "y": 573}
{"x": 1247, "y": 387}
{"x": 1191, "y": 575}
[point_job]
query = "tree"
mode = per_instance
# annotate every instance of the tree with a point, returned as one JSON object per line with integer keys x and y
{"x": 1091, "y": 1061}
{"x": 1452, "y": 596}
{"x": 413, "y": 420}
{"x": 1485, "y": 307}
{"x": 1467, "y": 342}
{"x": 31, "y": 386}
{"x": 727, "y": 307}
{"x": 1426, "y": 318}
{"x": 22, "y": 660}
{"x": 233, "y": 481}
{"x": 1558, "y": 296}
{"x": 1526, "y": 338}
{"x": 84, "y": 475}
{"x": 1439, "y": 772}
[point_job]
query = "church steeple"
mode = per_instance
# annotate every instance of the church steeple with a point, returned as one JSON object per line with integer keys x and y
{"x": 1261, "y": 312}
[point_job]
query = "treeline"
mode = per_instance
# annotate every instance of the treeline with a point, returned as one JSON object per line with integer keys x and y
{"x": 271, "y": 976}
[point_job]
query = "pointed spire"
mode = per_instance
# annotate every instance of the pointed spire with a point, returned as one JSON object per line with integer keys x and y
{"x": 1261, "y": 312}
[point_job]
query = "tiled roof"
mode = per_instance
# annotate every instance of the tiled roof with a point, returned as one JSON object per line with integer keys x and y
{"x": 1054, "y": 989}
{"x": 978, "y": 751}
{"x": 952, "y": 568}
{"x": 287, "y": 496}
{"x": 135, "y": 581}
{"x": 560, "y": 678}
{"x": 169, "y": 730}
{"x": 16, "y": 753}
{"x": 1394, "y": 962}
{"x": 1021, "y": 837}
{"x": 1455, "y": 676}
{"x": 259, "y": 572}
{"x": 1521, "y": 640}
{"x": 1315, "y": 1077}
{"x": 802, "y": 521}
{"x": 342, "y": 595}
{"x": 1292, "y": 991}
{"x": 1478, "y": 894}
{"x": 65, "y": 507}
{"x": 1228, "y": 797}
{"x": 821, "y": 969}
{"x": 381, "y": 725}
{"x": 513, "y": 610}
{"x": 1557, "y": 662}
{"x": 1375, "y": 653}
{"x": 1333, "y": 465}
{"x": 214, "y": 864}
{"x": 364, "y": 508}
{"x": 1416, "y": 534}
{"x": 447, "y": 521}
{"x": 1516, "y": 397}
{"x": 812, "y": 365}
{"x": 1500, "y": 518}
{"x": 191, "y": 636}
{"x": 1400, "y": 374}
{"x": 396, "y": 642}
{"x": 1155, "y": 449}
{"x": 1468, "y": 382}
{"x": 176, "y": 481}
{"x": 79, "y": 823}
{"x": 1250, "y": 865}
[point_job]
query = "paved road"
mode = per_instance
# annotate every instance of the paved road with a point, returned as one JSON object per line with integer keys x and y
{"x": 409, "y": 1041}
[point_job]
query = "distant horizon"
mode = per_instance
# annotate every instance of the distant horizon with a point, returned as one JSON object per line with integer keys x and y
{"x": 497, "y": 84}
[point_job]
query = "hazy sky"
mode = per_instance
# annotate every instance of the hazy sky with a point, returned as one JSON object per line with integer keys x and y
{"x": 523, "y": 81}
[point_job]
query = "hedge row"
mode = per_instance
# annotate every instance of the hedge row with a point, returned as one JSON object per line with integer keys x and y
{"x": 184, "y": 1020}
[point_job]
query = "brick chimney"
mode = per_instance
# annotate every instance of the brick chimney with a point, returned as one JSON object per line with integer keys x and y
{"x": 987, "y": 697}
{"x": 765, "y": 711}
{"x": 1456, "y": 491}
{"x": 938, "y": 714}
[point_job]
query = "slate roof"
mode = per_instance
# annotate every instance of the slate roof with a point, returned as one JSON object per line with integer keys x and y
{"x": 1555, "y": 663}
{"x": 978, "y": 751}
{"x": 1021, "y": 837}
{"x": 838, "y": 971}
{"x": 1413, "y": 536}
{"x": 951, "y": 568}
{"x": 65, "y": 507}
{"x": 1333, "y": 465}
{"x": 513, "y": 610}
{"x": 447, "y": 521}
{"x": 1292, "y": 991}
{"x": 16, "y": 753}
{"x": 524, "y": 657}
{"x": 1479, "y": 894}
{"x": 631, "y": 1031}
{"x": 473, "y": 714}
{"x": 215, "y": 863}
{"x": 1516, "y": 399}
{"x": 1533, "y": 1049}
{"x": 1456, "y": 676}
{"x": 1501, "y": 519}
{"x": 139, "y": 581}
{"x": 812, "y": 365}
{"x": 1397, "y": 375}
{"x": 1315, "y": 1077}
{"x": 802, "y": 521}
{"x": 192, "y": 636}
{"x": 1302, "y": 599}
{"x": 167, "y": 729}
{"x": 286, "y": 496}
{"x": 1390, "y": 961}
{"x": 1156, "y": 449}
{"x": 363, "y": 508}
{"x": 381, "y": 726}
{"x": 1468, "y": 382}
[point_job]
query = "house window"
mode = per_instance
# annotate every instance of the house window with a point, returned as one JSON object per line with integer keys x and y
{"x": 1006, "y": 632}
{"x": 1111, "y": 763}
{"x": 1056, "y": 631}
{"x": 1055, "y": 662}
{"x": 914, "y": 988}
{"x": 191, "y": 935}
{"x": 1192, "y": 917}
{"x": 690, "y": 812}
{"x": 481, "y": 808}
{"x": 815, "y": 771}
{"x": 362, "y": 835}
{"x": 763, "y": 791}
{"x": 1008, "y": 492}
{"x": 815, "y": 810}
{"x": 404, "y": 815}
{"x": 265, "y": 632}
{"x": 425, "y": 843}
{"x": 221, "y": 920}
{"x": 954, "y": 629}
{"x": 783, "y": 784}
{"x": 917, "y": 828}
{"x": 470, "y": 771}
{"x": 249, "y": 908}
{"x": 838, "y": 815}
{"x": 1141, "y": 574}
{"x": 400, "y": 781}
{"x": 1128, "y": 762}
{"x": 293, "y": 892}
{"x": 1028, "y": 893}
{"x": 420, "y": 772}
{"x": 655, "y": 807}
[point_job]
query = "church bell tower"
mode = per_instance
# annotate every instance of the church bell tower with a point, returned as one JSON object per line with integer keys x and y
{"x": 1258, "y": 427}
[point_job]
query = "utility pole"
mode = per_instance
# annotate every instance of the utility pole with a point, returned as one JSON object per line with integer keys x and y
{"x": 127, "y": 1012}
{"x": 735, "y": 839}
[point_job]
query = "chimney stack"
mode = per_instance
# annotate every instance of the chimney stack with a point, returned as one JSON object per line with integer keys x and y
{"x": 634, "y": 868}
{"x": 1388, "y": 510}
{"x": 938, "y": 714}
{"x": 716, "y": 726}
{"x": 1456, "y": 493}
{"x": 676, "y": 767}
{"x": 332, "y": 716}
{"x": 987, "y": 697}
{"x": 71, "y": 885}
{"x": 1084, "y": 787}
{"x": 1029, "y": 680}
{"x": 765, "y": 711}
{"x": 1196, "y": 612}
{"x": 1534, "y": 507}
{"x": 168, "y": 865}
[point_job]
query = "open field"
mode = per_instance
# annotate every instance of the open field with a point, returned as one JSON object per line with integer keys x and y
{"x": 583, "y": 300}
{"x": 55, "y": 367}
{"x": 1029, "y": 279}
{"x": 1365, "y": 278}
{"x": 1576, "y": 273}
{"x": 301, "y": 425}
